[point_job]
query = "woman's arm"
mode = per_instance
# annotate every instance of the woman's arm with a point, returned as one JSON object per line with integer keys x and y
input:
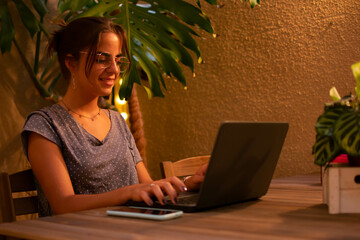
{"x": 50, "y": 170}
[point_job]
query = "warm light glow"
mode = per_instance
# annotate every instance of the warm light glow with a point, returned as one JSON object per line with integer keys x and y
{"x": 124, "y": 115}
{"x": 121, "y": 105}
{"x": 119, "y": 101}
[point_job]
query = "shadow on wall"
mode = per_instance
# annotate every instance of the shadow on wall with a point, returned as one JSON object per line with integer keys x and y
{"x": 18, "y": 99}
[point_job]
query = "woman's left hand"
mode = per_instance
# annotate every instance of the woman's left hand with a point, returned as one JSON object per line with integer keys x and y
{"x": 194, "y": 182}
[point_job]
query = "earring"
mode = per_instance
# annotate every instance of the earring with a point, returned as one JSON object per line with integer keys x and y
{"x": 73, "y": 82}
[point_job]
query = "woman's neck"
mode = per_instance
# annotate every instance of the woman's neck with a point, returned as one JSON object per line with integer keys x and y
{"x": 80, "y": 103}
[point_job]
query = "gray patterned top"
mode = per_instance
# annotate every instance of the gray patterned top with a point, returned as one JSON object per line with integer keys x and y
{"x": 94, "y": 166}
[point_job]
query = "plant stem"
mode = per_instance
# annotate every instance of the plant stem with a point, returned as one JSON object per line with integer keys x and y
{"x": 54, "y": 81}
{"x": 37, "y": 49}
{"x": 39, "y": 87}
{"x": 37, "y": 53}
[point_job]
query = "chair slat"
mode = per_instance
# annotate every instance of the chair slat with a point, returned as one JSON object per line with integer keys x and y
{"x": 187, "y": 166}
{"x": 22, "y": 181}
{"x": 7, "y": 212}
{"x": 26, "y": 205}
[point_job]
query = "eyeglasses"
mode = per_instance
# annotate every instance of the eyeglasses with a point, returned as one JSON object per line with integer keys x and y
{"x": 104, "y": 60}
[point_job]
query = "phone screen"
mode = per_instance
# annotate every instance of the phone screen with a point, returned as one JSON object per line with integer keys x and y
{"x": 145, "y": 210}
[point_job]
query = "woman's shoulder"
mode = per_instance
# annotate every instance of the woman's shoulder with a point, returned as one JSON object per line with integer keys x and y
{"x": 116, "y": 116}
{"x": 47, "y": 109}
{"x": 118, "y": 120}
{"x": 47, "y": 112}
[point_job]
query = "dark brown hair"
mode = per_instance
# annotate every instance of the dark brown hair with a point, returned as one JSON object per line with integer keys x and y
{"x": 80, "y": 34}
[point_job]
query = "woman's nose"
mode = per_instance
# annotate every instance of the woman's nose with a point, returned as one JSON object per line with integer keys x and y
{"x": 113, "y": 67}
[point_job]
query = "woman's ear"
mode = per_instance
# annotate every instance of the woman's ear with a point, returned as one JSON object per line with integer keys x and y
{"x": 70, "y": 62}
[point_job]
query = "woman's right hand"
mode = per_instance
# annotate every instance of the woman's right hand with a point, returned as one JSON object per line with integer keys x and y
{"x": 158, "y": 189}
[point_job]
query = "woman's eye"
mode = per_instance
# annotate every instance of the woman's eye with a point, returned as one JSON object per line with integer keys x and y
{"x": 101, "y": 60}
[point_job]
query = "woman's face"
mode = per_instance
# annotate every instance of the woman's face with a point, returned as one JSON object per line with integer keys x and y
{"x": 104, "y": 71}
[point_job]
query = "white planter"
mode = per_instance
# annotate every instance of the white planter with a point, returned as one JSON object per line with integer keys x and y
{"x": 341, "y": 188}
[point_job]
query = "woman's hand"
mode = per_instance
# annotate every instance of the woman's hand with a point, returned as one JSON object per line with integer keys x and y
{"x": 159, "y": 189}
{"x": 194, "y": 182}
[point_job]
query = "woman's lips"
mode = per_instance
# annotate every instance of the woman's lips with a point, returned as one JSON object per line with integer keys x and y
{"x": 108, "y": 81}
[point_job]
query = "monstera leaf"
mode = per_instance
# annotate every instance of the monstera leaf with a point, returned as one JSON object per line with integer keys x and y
{"x": 161, "y": 37}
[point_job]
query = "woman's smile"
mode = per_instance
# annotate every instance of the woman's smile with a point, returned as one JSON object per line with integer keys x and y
{"x": 108, "y": 81}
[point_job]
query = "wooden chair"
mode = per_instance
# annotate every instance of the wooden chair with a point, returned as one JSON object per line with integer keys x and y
{"x": 184, "y": 167}
{"x": 20, "y": 182}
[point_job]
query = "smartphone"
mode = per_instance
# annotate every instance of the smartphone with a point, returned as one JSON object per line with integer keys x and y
{"x": 145, "y": 213}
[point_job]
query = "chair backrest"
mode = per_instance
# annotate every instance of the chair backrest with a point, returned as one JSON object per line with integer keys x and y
{"x": 183, "y": 167}
{"x": 27, "y": 203}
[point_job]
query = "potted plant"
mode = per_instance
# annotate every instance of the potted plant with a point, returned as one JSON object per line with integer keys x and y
{"x": 338, "y": 128}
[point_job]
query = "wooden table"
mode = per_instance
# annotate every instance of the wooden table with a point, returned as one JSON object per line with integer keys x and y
{"x": 292, "y": 209}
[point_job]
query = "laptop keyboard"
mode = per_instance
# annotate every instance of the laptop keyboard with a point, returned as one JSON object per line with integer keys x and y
{"x": 185, "y": 198}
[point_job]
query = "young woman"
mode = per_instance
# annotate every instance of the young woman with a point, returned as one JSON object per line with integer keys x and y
{"x": 83, "y": 156}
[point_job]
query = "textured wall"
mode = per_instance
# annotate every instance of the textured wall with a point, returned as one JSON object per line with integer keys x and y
{"x": 276, "y": 62}
{"x": 17, "y": 98}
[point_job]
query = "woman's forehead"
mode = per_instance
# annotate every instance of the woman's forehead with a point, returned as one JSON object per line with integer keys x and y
{"x": 109, "y": 42}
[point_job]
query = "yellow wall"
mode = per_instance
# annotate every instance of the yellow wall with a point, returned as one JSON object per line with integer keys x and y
{"x": 276, "y": 62}
{"x": 272, "y": 63}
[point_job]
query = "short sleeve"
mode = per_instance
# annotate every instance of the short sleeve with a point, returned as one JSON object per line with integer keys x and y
{"x": 133, "y": 149}
{"x": 38, "y": 122}
{"x": 131, "y": 141}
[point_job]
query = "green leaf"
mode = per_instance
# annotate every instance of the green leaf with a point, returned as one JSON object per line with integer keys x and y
{"x": 40, "y": 7}
{"x": 326, "y": 122}
{"x": 162, "y": 56}
{"x": 152, "y": 72}
{"x": 48, "y": 66}
{"x": 187, "y": 13}
{"x": 128, "y": 82}
{"x": 325, "y": 150}
{"x": 161, "y": 40}
{"x": 73, "y": 6}
{"x": 334, "y": 94}
{"x": 347, "y": 133}
{"x": 27, "y": 17}
{"x": 103, "y": 8}
{"x": 253, "y": 3}
{"x": 7, "y": 28}
{"x": 164, "y": 25}
{"x": 356, "y": 71}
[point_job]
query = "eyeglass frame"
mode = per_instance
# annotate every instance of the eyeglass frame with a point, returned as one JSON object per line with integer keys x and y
{"x": 109, "y": 56}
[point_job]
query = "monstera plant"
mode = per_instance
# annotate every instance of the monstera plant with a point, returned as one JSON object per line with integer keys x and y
{"x": 338, "y": 128}
{"x": 160, "y": 32}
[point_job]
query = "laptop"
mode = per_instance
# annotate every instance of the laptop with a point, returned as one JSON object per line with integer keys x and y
{"x": 241, "y": 166}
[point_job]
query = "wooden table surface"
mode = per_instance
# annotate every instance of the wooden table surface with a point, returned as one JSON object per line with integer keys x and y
{"x": 292, "y": 209}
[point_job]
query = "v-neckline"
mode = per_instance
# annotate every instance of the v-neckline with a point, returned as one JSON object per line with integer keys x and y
{"x": 86, "y": 131}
